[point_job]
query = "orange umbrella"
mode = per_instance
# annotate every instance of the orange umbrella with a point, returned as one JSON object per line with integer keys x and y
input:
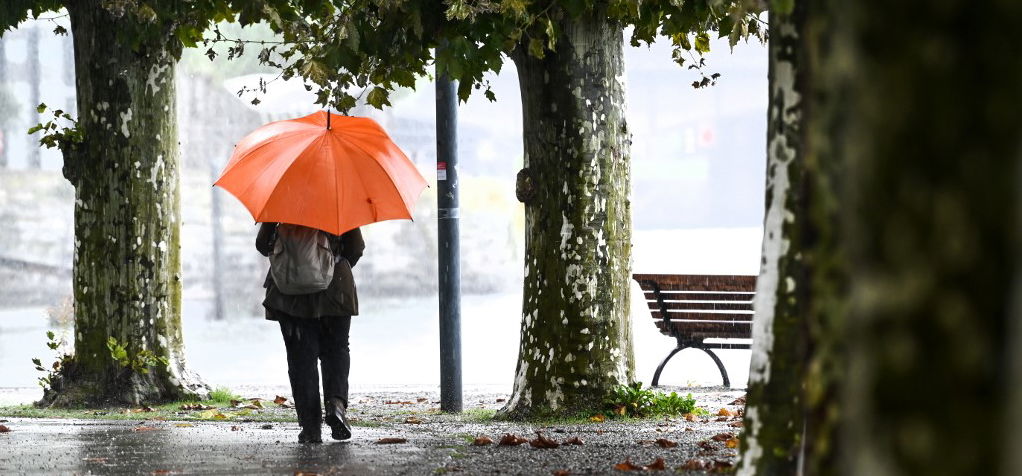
{"x": 325, "y": 171}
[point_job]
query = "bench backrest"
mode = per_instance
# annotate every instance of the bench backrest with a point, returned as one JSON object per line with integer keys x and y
{"x": 700, "y": 306}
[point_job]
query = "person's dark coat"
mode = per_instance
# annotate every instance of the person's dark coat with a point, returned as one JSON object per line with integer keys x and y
{"x": 339, "y": 299}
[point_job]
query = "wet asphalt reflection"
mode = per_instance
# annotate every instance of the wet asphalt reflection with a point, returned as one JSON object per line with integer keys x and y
{"x": 36, "y": 446}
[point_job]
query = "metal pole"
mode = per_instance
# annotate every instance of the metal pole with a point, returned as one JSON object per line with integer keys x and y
{"x": 34, "y": 78}
{"x": 3, "y": 90}
{"x": 449, "y": 267}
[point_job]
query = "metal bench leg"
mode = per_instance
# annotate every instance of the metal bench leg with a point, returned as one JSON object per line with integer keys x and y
{"x": 660, "y": 368}
{"x": 720, "y": 365}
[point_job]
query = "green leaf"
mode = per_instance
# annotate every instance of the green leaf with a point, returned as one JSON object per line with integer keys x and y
{"x": 315, "y": 71}
{"x": 536, "y": 48}
{"x": 703, "y": 43}
{"x": 50, "y": 335}
{"x": 378, "y": 98}
{"x": 41, "y": 108}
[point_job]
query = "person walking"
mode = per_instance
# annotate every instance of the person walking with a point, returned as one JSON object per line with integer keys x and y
{"x": 313, "y": 302}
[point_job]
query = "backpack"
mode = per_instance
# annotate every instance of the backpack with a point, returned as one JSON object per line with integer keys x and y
{"x": 302, "y": 261}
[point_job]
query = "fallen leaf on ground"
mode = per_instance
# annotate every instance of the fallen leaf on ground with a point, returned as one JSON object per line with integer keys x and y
{"x": 235, "y": 403}
{"x": 4, "y": 429}
{"x": 693, "y": 465}
{"x": 598, "y": 418}
{"x": 279, "y": 400}
{"x": 212, "y": 415}
{"x": 722, "y": 436}
{"x": 725, "y": 412}
{"x": 413, "y": 420}
{"x": 657, "y": 465}
{"x": 144, "y": 428}
{"x": 665, "y": 443}
{"x": 390, "y": 441}
{"x": 736, "y": 424}
{"x": 482, "y": 441}
{"x": 421, "y": 400}
{"x": 689, "y": 417}
{"x": 267, "y": 427}
{"x": 739, "y": 401}
{"x": 562, "y": 472}
{"x": 706, "y": 445}
{"x": 512, "y": 440}
{"x": 645, "y": 442}
{"x": 627, "y": 465}
{"x": 184, "y": 425}
{"x": 502, "y": 400}
{"x": 196, "y": 406}
{"x": 718, "y": 465}
{"x": 543, "y": 442}
{"x": 573, "y": 441}
{"x": 235, "y": 428}
{"x": 621, "y": 410}
{"x": 396, "y": 402}
{"x": 147, "y": 409}
{"x": 722, "y": 418}
{"x": 732, "y": 443}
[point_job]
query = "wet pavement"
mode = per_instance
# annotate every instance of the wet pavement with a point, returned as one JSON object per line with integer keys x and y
{"x": 435, "y": 443}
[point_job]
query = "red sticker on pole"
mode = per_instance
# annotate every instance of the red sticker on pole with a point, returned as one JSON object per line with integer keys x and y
{"x": 441, "y": 170}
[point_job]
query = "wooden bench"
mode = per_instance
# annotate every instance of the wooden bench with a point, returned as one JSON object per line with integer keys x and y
{"x": 700, "y": 311}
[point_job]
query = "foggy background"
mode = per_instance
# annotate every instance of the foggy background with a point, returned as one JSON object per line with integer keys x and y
{"x": 697, "y": 199}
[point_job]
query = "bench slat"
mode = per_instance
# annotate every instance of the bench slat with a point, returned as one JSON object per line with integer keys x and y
{"x": 707, "y": 316}
{"x": 688, "y": 305}
{"x": 692, "y": 282}
{"x": 706, "y": 330}
{"x": 698, "y": 296}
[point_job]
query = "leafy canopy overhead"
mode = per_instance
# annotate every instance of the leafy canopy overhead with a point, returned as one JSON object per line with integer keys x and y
{"x": 371, "y": 47}
{"x": 154, "y": 22}
{"x": 349, "y": 48}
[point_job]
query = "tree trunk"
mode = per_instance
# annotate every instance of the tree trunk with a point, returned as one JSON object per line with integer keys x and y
{"x": 826, "y": 108}
{"x": 775, "y": 412}
{"x": 127, "y": 270}
{"x": 933, "y": 235}
{"x": 575, "y": 340}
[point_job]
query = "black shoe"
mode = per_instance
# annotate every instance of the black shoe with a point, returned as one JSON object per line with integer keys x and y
{"x": 307, "y": 436}
{"x": 337, "y": 418}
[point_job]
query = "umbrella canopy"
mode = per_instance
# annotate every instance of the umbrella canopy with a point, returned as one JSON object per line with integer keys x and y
{"x": 325, "y": 171}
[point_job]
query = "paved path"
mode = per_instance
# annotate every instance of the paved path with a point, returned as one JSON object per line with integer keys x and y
{"x": 436, "y": 443}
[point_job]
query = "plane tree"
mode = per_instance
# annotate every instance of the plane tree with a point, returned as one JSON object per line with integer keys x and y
{"x": 575, "y": 344}
{"x": 121, "y": 155}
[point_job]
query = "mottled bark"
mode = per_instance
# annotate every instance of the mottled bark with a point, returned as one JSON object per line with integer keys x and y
{"x": 932, "y": 232}
{"x": 127, "y": 279}
{"x": 775, "y": 413}
{"x": 826, "y": 107}
{"x": 575, "y": 341}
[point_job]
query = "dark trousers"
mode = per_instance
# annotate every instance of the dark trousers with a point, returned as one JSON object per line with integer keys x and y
{"x": 308, "y": 340}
